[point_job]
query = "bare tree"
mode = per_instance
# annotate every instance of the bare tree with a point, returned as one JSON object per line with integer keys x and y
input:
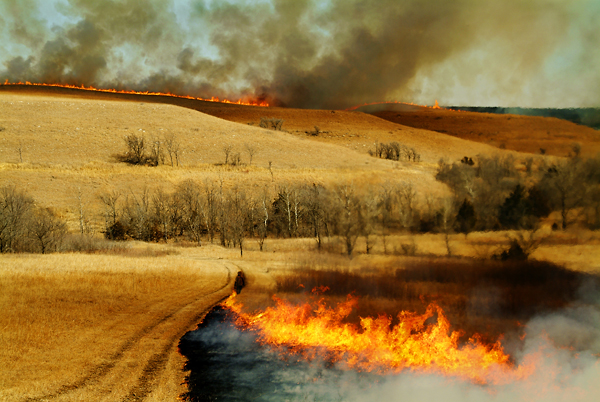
{"x": 156, "y": 153}
{"x": 46, "y": 229}
{"x": 385, "y": 206}
{"x": 564, "y": 186}
{"x": 367, "y": 216}
{"x": 406, "y": 196}
{"x": 237, "y": 208}
{"x": 193, "y": 215}
{"x": 271, "y": 170}
{"x": 110, "y": 199}
{"x": 263, "y": 223}
{"x": 166, "y": 213}
{"x": 135, "y": 153}
{"x": 138, "y": 216}
{"x": 84, "y": 222}
{"x": 227, "y": 151}
{"x": 315, "y": 202}
{"x": 172, "y": 145}
{"x": 288, "y": 210}
{"x": 15, "y": 210}
{"x": 447, "y": 215}
{"x": 251, "y": 149}
{"x": 20, "y": 151}
{"x": 348, "y": 207}
{"x": 213, "y": 198}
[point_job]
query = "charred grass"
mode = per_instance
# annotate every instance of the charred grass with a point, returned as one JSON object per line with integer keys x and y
{"x": 490, "y": 298}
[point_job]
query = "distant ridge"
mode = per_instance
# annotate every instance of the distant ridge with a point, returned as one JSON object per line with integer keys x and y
{"x": 585, "y": 116}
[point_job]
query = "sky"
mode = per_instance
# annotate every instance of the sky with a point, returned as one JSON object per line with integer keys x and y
{"x": 329, "y": 54}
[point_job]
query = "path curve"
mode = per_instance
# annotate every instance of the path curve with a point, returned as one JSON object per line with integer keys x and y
{"x": 97, "y": 384}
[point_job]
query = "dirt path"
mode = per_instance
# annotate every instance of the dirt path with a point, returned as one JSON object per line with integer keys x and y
{"x": 136, "y": 369}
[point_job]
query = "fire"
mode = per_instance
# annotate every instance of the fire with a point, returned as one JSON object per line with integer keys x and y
{"x": 414, "y": 344}
{"x": 117, "y": 91}
{"x": 436, "y": 106}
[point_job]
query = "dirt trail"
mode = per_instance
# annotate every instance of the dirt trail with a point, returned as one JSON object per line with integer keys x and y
{"x": 133, "y": 371}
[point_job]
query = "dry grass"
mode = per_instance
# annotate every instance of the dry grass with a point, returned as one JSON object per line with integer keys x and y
{"x": 67, "y": 146}
{"x": 518, "y": 133}
{"x": 66, "y": 318}
{"x": 63, "y": 316}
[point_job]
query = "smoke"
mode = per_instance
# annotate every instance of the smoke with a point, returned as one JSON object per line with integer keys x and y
{"x": 309, "y": 53}
{"x": 227, "y": 364}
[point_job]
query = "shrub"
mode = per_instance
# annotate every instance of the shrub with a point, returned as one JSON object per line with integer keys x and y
{"x": 271, "y": 123}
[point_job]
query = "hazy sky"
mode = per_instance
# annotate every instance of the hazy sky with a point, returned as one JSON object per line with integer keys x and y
{"x": 310, "y": 53}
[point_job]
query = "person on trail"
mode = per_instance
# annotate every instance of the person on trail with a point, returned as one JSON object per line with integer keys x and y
{"x": 240, "y": 282}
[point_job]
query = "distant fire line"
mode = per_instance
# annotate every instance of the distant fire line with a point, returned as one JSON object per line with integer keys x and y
{"x": 436, "y": 106}
{"x": 119, "y": 91}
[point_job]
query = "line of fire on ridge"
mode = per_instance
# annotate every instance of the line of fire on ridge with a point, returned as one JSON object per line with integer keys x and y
{"x": 129, "y": 92}
{"x": 436, "y": 106}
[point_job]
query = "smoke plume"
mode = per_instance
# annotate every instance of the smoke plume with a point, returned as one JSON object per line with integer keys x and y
{"x": 316, "y": 54}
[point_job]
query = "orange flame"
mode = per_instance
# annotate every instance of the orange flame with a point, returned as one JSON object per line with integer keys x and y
{"x": 118, "y": 91}
{"x": 436, "y": 106}
{"x": 376, "y": 346}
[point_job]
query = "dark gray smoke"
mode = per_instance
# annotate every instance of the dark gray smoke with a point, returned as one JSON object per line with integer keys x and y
{"x": 309, "y": 53}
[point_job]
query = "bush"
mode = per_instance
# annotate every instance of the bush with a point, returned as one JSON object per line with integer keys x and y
{"x": 271, "y": 123}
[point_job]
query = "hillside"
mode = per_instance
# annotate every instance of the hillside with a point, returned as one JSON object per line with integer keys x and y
{"x": 59, "y": 143}
{"x": 513, "y": 132}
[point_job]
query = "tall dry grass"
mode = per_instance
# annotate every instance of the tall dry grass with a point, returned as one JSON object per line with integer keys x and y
{"x": 63, "y": 314}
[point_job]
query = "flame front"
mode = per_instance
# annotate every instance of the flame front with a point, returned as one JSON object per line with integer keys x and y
{"x": 118, "y": 91}
{"x": 376, "y": 346}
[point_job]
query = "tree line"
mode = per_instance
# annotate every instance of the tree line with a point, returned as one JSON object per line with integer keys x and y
{"x": 488, "y": 193}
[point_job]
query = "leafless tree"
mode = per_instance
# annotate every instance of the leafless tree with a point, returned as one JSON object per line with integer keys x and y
{"x": 165, "y": 212}
{"x": 213, "y": 198}
{"x": 236, "y": 208}
{"x": 251, "y": 149}
{"x": 15, "y": 210}
{"x": 385, "y": 210}
{"x": 367, "y": 215}
{"x": 348, "y": 207}
{"x": 236, "y": 159}
{"x": 227, "y": 151}
{"x": 110, "y": 201}
{"x": 288, "y": 210}
{"x": 84, "y": 222}
{"x": 406, "y": 196}
{"x": 263, "y": 218}
{"x": 157, "y": 155}
{"x": 137, "y": 211}
{"x": 314, "y": 200}
{"x": 20, "y": 151}
{"x": 189, "y": 197}
{"x": 46, "y": 230}
{"x": 271, "y": 170}
{"x": 447, "y": 215}
{"x": 173, "y": 147}
{"x": 564, "y": 185}
{"x": 135, "y": 153}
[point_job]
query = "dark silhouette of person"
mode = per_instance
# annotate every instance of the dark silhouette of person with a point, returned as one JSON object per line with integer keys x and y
{"x": 240, "y": 282}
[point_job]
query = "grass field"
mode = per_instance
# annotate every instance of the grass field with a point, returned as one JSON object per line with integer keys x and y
{"x": 105, "y": 325}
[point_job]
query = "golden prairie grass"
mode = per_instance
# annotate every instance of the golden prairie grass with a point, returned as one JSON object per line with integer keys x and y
{"x": 64, "y": 313}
